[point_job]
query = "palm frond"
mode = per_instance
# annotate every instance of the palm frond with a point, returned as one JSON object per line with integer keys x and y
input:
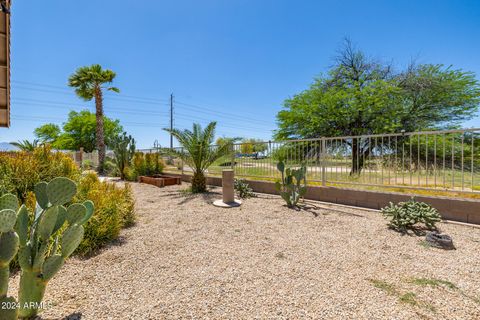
{"x": 197, "y": 150}
{"x": 25, "y": 145}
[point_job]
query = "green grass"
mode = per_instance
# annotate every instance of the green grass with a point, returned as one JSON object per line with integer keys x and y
{"x": 433, "y": 283}
{"x": 409, "y": 298}
{"x": 383, "y": 285}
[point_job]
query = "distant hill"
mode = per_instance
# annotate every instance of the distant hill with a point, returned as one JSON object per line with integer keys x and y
{"x": 5, "y": 146}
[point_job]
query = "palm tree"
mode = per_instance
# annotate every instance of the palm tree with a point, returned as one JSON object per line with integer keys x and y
{"x": 89, "y": 82}
{"x": 197, "y": 151}
{"x": 26, "y": 145}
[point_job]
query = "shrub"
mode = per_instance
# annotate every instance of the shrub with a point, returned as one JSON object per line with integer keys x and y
{"x": 406, "y": 215}
{"x": 243, "y": 189}
{"x": 145, "y": 164}
{"x": 21, "y": 171}
{"x": 114, "y": 210}
{"x": 87, "y": 164}
{"x": 110, "y": 168}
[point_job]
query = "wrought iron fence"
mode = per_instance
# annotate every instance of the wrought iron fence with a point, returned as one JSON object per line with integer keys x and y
{"x": 441, "y": 160}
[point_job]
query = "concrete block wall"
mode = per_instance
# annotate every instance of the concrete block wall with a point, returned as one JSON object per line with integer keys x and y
{"x": 455, "y": 209}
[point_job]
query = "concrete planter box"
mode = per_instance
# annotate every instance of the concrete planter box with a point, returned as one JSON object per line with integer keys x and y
{"x": 160, "y": 180}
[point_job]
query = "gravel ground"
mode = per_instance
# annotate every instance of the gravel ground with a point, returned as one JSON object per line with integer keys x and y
{"x": 188, "y": 259}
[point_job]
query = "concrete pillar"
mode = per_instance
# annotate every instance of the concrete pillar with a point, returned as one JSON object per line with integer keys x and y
{"x": 227, "y": 186}
{"x": 228, "y": 192}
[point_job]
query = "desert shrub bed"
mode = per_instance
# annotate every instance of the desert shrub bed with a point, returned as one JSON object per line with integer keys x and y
{"x": 144, "y": 164}
{"x": 21, "y": 171}
{"x": 114, "y": 205}
{"x": 114, "y": 210}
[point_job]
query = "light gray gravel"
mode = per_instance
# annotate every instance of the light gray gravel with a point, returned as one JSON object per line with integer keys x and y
{"x": 186, "y": 259}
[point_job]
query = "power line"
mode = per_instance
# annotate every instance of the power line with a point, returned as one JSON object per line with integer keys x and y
{"x": 91, "y": 108}
{"x": 32, "y": 118}
{"x": 143, "y": 100}
{"x": 231, "y": 125}
{"x": 109, "y": 96}
{"x": 218, "y": 112}
{"x": 69, "y": 91}
{"x": 226, "y": 119}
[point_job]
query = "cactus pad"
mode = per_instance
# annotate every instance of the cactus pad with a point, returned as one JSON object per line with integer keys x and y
{"x": 9, "y": 201}
{"x": 61, "y": 217}
{"x": 71, "y": 239}
{"x": 8, "y": 218}
{"x": 8, "y": 247}
{"x": 51, "y": 266}
{"x": 21, "y": 226}
{"x": 90, "y": 208}
{"x": 8, "y": 313}
{"x": 41, "y": 194}
{"x": 25, "y": 257}
{"x": 61, "y": 190}
{"x": 47, "y": 223}
{"x": 75, "y": 213}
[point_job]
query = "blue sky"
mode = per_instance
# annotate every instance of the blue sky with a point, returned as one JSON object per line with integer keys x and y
{"x": 231, "y": 61}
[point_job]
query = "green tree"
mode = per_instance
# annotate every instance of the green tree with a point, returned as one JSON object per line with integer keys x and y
{"x": 362, "y": 96}
{"x": 89, "y": 83}
{"x": 48, "y": 133}
{"x": 250, "y": 146}
{"x": 198, "y": 152}
{"x": 80, "y": 131}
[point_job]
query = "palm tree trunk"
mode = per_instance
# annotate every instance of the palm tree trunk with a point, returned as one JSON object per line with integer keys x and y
{"x": 100, "y": 133}
{"x": 199, "y": 183}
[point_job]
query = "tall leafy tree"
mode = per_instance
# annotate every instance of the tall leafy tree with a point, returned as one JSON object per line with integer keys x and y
{"x": 48, "y": 133}
{"x": 252, "y": 145}
{"x": 78, "y": 131}
{"x": 198, "y": 152}
{"x": 360, "y": 95}
{"x": 89, "y": 83}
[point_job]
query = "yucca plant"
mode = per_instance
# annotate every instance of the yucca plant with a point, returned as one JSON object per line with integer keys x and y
{"x": 197, "y": 151}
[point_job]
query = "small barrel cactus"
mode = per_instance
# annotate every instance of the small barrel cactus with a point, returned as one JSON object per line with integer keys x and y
{"x": 44, "y": 244}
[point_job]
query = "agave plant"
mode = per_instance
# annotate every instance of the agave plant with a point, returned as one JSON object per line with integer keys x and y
{"x": 197, "y": 151}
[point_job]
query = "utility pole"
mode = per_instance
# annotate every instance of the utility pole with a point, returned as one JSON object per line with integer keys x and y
{"x": 171, "y": 120}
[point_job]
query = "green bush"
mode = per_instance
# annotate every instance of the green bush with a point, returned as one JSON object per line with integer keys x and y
{"x": 114, "y": 210}
{"x": 242, "y": 189}
{"x": 21, "y": 171}
{"x": 406, "y": 215}
{"x": 145, "y": 164}
{"x": 87, "y": 164}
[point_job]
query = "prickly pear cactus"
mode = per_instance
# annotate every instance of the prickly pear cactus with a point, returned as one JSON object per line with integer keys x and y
{"x": 292, "y": 186}
{"x": 9, "y": 241}
{"x": 43, "y": 245}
